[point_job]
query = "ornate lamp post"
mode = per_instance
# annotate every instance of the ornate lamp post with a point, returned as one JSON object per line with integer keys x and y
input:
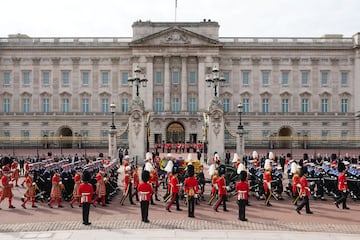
{"x": 112, "y": 108}
{"x": 240, "y": 130}
{"x": 214, "y": 80}
{"x": 137, "y": 80}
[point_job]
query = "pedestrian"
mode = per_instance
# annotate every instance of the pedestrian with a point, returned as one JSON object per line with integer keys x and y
{"x": 342, "y": 186}
{"x": 304, "y": 192}
{"x": 86, "y": 191}
{"x": 242, "y": 189}
{"x": 191, "y": 188}
{"x": 145, "y": 192}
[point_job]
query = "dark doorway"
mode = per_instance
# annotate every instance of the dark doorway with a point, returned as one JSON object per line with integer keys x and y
{"x": 66, "y": 139}
{"x": 285, "y": 134}
{"x": 175, "y": 133}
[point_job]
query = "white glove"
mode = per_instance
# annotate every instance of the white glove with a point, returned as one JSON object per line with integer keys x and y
{"x": 298, "y": 185}
{"x": 227, "y": 188}
{"x": 11, "y": 182}
{"x": 195, "y": 196}
{"x": 105, "y": 178}
{"x": 60, "y": 182}
{"x": 33, "y": 184}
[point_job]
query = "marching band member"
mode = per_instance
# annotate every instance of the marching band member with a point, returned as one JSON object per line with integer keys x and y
{"x": 304, "y": 192}
{"x": 100, "y": 188}
{"x": 174, "y": 190}
{"x": 144, "y": 192}
{"x": 342, "y": 186}
{"x": 191, "y": 188}
{"x": 76, "y": 195}
{"x": 15, "y": 175}
{"x": 242, "y": 189}
{"x": 221, "y": 190}
{"x": 30, "y": 191}
{"x": 267, "y": 186}
{"x": 56, "y": 190}
{"x": 6, "y": 183}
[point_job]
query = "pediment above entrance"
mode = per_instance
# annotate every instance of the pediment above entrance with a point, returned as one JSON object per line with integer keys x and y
{"x": 175, "y": 36}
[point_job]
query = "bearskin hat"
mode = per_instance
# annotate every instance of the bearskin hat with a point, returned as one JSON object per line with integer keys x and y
{"x": 222, "y": 170}
{"x": 289, "y": 155}
{"x": 333, "y": 156}
{"x": 175, "y": 170}
{"x": 303, "y": 171}
{"x": 341, "y": 166}
{"x": 190, "y": 170}
{"x": 86, "y": 176}
{"x": 6, "y": 160}
{"x": 243, "y": 176}
{"x": 305, "y": 156}
{"x": 145, "y": 176}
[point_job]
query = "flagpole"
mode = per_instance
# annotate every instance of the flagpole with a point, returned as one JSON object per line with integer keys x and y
{"x": 175, "y": 9}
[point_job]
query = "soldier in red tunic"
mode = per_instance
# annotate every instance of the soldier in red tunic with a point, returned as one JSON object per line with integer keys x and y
{"x": 7, "y": 185}
{"x": 304, "y": 192}
{"x": 191, "y": 188}
{"x": 174, "y": 189}
{"x": 144, "y": 191}
{"x": 86, "y": 191}
{"x": 267, "y": 186}
{"x": 342, "y": 186}
{"x": 136, "y": 180}
{"x": 242, "y": 189}
{"x": 127, "y": 191}
{"x": 56, "y": 190}
{"x": 296, "y": 187}
{"x": 76, "y": 195}
{"x": 30, "y": 191}
{"x": 100, "y": 188}
{"x": 221, "y": 189}
{"x": 214, "y": 187}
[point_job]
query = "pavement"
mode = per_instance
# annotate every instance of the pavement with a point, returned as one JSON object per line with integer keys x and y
{"x": 123, "y": 222}
{"x": 160, "y": 234}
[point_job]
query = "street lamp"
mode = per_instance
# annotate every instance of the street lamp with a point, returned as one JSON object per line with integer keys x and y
{"x": 240, "y": 110}
{"x": 61, "y": 145}
{"x": 112, "y": 108}
{"x": 214, "y": 80}
{"x": 137, "y": 80}
{"x": 240, "y": 145}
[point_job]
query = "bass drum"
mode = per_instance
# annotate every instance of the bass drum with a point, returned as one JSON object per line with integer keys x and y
{"x": 163, "y": 164}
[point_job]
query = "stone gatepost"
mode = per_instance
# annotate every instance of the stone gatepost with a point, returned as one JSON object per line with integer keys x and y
{"x": 216, "y": 127}
{"x": 112, "y": 143}
{"x": 137, "y": 132}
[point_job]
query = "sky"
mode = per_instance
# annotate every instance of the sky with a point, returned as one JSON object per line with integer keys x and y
{"x": 237, "y": 18}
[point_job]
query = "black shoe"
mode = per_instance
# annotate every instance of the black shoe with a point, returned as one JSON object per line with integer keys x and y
{"x": 23, "y": 206}
{"x": 71, "y": 205}
{"x": 347, "y": 208}
{"x": 191, "y": 216}
{"x": 168, "y": 210}
{"x": 50, "y": 205}
{"x": 225, "y": 210}
{"x": 244, "y": 220}
{"x": 133, "y": 203}
{"x": 34, "y": 206}
{"x": 310, "y": 212}
{"x": 11, "y": 206}
{"x": 336, "y": 204}
{"x": 87, "y": 224}
{"x": 60, "y": 206}
{"x": 298, "y": 211}
{"x": 178, "y": 209}
{"x": 268, "y": 204}
{"x": 146, "y": 221}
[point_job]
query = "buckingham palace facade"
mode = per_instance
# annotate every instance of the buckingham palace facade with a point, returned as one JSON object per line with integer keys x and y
{"x": 295, "y": 92}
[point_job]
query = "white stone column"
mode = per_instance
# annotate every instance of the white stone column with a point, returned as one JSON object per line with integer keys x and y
{"x": 184, "y": 85}
{"x": 137, "y": 137}
{"x": 167, "y": 82}
{"x": 149, "y": 90}
{"x": 201, "y": 84}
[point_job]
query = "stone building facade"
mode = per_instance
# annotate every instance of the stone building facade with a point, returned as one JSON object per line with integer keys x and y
{"x": 295, "y": 91}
